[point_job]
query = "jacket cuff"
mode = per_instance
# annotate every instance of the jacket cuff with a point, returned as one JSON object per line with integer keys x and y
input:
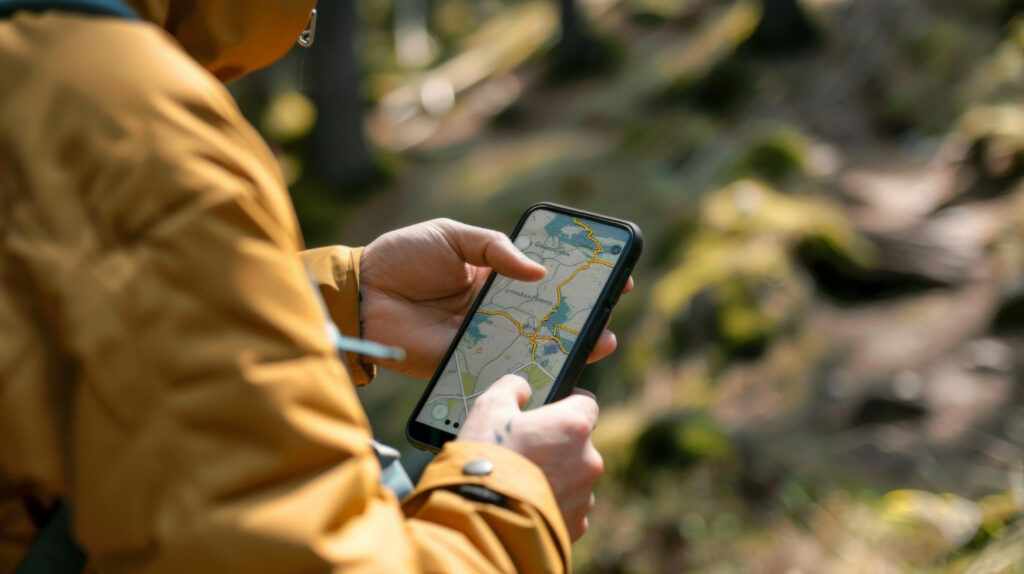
{"x": 336, "y": 272}
{"x": 513, "y": 476}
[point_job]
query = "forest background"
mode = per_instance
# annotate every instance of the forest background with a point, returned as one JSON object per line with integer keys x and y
{"x": 820, "y": 369}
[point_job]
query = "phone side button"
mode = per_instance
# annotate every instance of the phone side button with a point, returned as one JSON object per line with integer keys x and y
{"x": 619, "y": 288}
{"x": 602, "y": 320}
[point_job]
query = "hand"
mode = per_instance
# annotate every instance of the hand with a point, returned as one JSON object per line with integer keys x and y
{"x": 556, "y": 437}
{"x": 419, "y": 282}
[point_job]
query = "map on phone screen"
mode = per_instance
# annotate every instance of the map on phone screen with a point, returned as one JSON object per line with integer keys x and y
{"x": 529, "y": 328}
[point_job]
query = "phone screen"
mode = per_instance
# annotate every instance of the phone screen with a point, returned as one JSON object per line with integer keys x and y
{"x": 529, "y": 329}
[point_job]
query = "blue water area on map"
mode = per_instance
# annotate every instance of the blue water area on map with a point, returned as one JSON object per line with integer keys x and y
{"x": 567, "y": 340}
{"x": 554, "y": 227}
{"x": 561, "y": 315}
{"x": 550, "y": 349}
{"x": 473, "y": 333}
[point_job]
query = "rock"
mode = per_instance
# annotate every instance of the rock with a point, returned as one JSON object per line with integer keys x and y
{"x": 735, "y": 288}
{"x": 775, "y": 155}
{"x": 947, "y": 249}
{"x": 677, "y": 441}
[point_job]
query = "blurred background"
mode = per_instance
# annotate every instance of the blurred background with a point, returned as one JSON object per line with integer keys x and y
{"x": 820, "y": 369}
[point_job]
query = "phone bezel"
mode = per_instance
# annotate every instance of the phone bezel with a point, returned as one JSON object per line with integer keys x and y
{"x": 424, "y": 436}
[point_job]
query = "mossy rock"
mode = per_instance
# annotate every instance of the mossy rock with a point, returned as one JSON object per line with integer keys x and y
{"x": 774, "y": 155}
{"x": 677, "y": 441}
{"x": 736, "y": 287}
{"x": 740, "y": 315}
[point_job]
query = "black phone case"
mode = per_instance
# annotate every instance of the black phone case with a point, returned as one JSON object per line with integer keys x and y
{"x": 566, "y": 379}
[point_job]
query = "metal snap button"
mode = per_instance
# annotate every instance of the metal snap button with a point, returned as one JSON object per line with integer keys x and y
{"x": 478, "y": 467}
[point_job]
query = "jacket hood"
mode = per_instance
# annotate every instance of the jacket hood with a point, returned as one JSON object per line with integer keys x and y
{"x": 230, "y": 37}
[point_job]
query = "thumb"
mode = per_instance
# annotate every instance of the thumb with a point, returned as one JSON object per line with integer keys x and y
{"x": 487, "y": 248}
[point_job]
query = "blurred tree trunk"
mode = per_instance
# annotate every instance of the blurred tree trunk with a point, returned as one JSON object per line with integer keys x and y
{"x": 572, "y": 44}
{"x": 783, "y": 28}
{"x": 578, "y": 53}
{"x": 342, "y": 154}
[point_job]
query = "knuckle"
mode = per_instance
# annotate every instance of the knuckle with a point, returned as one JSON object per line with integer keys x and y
{"x": 594, "y": 467}
{"x": 577, "y": 426}
{"x": 587, "y": 406}
{"x": 584, "y": 525}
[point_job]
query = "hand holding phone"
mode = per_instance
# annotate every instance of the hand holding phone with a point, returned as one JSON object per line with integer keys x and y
{"x": 555, "y": 437}
{"x": 542, "y": 330}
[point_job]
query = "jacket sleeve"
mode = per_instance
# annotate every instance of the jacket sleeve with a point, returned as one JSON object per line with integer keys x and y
{"x": 335, "y": 271}
{"x": 213, "y": 427}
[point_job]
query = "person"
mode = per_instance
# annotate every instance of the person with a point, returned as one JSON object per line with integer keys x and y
{"x": 164, "y": 367}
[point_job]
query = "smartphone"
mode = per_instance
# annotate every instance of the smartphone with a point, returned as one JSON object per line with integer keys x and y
{"x": 542, "y": 331}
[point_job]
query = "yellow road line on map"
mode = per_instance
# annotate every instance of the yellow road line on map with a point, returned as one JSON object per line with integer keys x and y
{"x": 558, "y": 290}
{"x": 507, "y": 316}
{"x": 536, "y": 336}
{"x": 564, "y": 328}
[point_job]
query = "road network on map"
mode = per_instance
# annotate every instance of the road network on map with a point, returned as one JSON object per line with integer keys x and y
{"x": 529, "y": 328}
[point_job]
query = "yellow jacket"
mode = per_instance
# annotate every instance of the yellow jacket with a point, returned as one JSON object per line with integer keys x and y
{"x": 163, "y": 359}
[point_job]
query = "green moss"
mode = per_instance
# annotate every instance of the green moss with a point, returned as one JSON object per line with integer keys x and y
{"x": 736, "y": 288}
{"x": 774, "y": 156}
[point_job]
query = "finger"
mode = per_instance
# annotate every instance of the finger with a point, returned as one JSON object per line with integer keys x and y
{"x": 593, "y": 463}
{"x": 576, "y": 403}
{"x": 584, "y": 392}
{"x": 629, "y": 285}
{"x": 479, "y": 246}
{"x": 577, "y": 528}
{"x": 605, "y": 346}
{"x": 577, "y": 501}
{"x": 508, "y": 390}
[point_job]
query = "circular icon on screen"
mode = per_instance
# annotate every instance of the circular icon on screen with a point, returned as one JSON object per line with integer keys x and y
{"x": 522, "y": 242}
{"x": 616, "y": 249}
{"x": 439, "y": 412}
